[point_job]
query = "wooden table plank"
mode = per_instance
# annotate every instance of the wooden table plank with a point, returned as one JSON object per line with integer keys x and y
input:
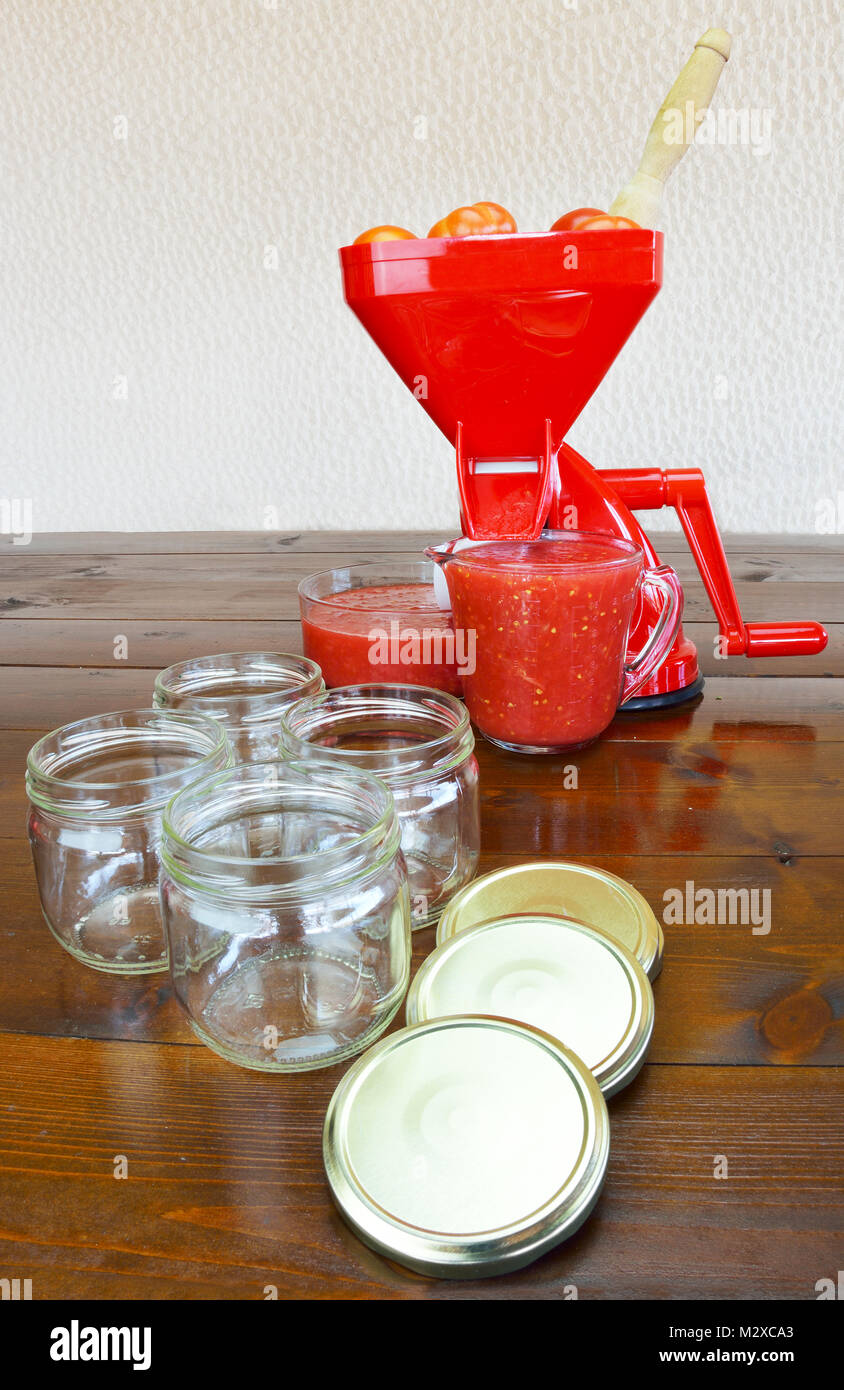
{"x": 714, "y": 772}
{"x": 747, "y": 566}
{"x": 718, "y": 799}
{"x": 728, "y": 995}
{"x": 168, "y": 587}
{"x": 806, "y": 709}
{"x": 225, "y": 1192}
{"x": 96, "y": 543}
{"x": 154, "y": 645}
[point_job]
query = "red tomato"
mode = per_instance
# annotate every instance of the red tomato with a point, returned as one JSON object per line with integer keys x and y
{"x": 499, "y": 218}
{"x": 572, "y": 221}
{"x": 481, "y": 219}
{"x": 605, "y": 223}
{"x": 385, "y": 233}
{"x": 592, "y": 220}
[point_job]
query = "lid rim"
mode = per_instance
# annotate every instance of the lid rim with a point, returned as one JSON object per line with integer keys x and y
{"x": 422, "y": 577}
{"x": 344, "y": 706}
{"x": 620, "y": 552}
{"x": 196, "y": 680}
{"x": 49, "y": 786}
{"x": 650, "y": 942}
{"x": 480, "y": 1254}
{"x": 195, "y": 867}
{"x": 622, "y": 1064}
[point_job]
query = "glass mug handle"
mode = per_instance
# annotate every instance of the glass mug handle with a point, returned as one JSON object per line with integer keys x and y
{"x": 661, "y": 640}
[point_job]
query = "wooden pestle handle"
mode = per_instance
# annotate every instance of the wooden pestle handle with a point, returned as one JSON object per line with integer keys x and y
{"x": 640, "y": 198}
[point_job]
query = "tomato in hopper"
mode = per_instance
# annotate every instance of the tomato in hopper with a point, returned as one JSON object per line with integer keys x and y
{"x": 593, "y": 220}
{"x": 384, "y": 233}
{"x": 481, "y": 219}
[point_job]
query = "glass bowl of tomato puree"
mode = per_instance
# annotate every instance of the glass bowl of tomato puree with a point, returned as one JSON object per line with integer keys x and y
{"x": 548, "y": 623}
{"x": 379, "y": 621}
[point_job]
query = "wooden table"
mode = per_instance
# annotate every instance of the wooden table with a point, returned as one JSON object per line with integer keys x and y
{"x": 225, "y": 1193}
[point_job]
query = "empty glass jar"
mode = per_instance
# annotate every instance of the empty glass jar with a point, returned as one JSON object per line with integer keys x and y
{"x": 96, "y": 790}
{"x": 420, "y": 742}
{"x": 246, "y": 692}
{"x": 284, "y": 895}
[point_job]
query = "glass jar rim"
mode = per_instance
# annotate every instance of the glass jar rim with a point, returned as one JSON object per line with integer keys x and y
{"x": 215, "y": 873}
{"x": 174, "y": 682}
{"x": 56, "y": 752}
{"x": 619, "y": 552}
{"x": 410, "y": 571}
{"x": 343, "y": 705}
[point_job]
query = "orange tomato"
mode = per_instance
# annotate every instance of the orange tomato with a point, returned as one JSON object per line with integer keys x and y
{"x": 385, "y": 233}
{"x": 591, "y": 220}
{"x": 605, "y": 223}
{"x": 500, "y": 219}
{"x": 572, "y": 221}
{"x": 481, "y": 219}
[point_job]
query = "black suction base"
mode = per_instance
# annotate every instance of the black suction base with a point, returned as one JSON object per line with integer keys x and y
{"x": 667, "y": 701}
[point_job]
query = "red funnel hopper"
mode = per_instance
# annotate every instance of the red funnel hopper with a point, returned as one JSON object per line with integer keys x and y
{"x": 503, "y": 340}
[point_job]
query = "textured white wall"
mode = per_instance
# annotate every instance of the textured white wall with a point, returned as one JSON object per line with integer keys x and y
{"x": 155, "y": 374}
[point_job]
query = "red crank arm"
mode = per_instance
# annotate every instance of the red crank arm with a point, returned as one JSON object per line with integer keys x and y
{"x": 685, "y": 491}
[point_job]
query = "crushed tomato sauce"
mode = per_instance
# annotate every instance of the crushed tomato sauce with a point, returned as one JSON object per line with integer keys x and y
{"x": 340, "y": 633}
{"x": 551, "y": 620}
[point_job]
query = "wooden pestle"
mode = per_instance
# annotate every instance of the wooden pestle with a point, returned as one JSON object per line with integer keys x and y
{"x": 640, "y": 199}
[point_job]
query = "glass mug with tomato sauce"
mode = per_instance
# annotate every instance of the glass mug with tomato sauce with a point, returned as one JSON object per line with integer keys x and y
{"x": 551, "y": 620}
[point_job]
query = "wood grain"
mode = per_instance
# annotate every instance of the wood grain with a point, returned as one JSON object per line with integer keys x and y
{"x": 200, "y": 587}
{"x": 651, "y": 797}
{"x": 728, "y": 994}
{"x": 740, "y": 789}
{"x": 768, "y": 549}
{"x": 225, "y": 1192}
{"x": 806, "y": 709}
{"x": 154, "y": 645}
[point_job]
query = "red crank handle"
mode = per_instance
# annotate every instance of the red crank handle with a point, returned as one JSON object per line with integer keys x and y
{"x": 784, "y": 639}
{"x": 685, "y": 491}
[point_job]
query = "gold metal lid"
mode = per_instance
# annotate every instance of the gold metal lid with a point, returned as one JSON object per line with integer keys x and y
{"x": 555, "y": 888}
{"x": 571, "y": 980}
{"x": 466, "y": 1146}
